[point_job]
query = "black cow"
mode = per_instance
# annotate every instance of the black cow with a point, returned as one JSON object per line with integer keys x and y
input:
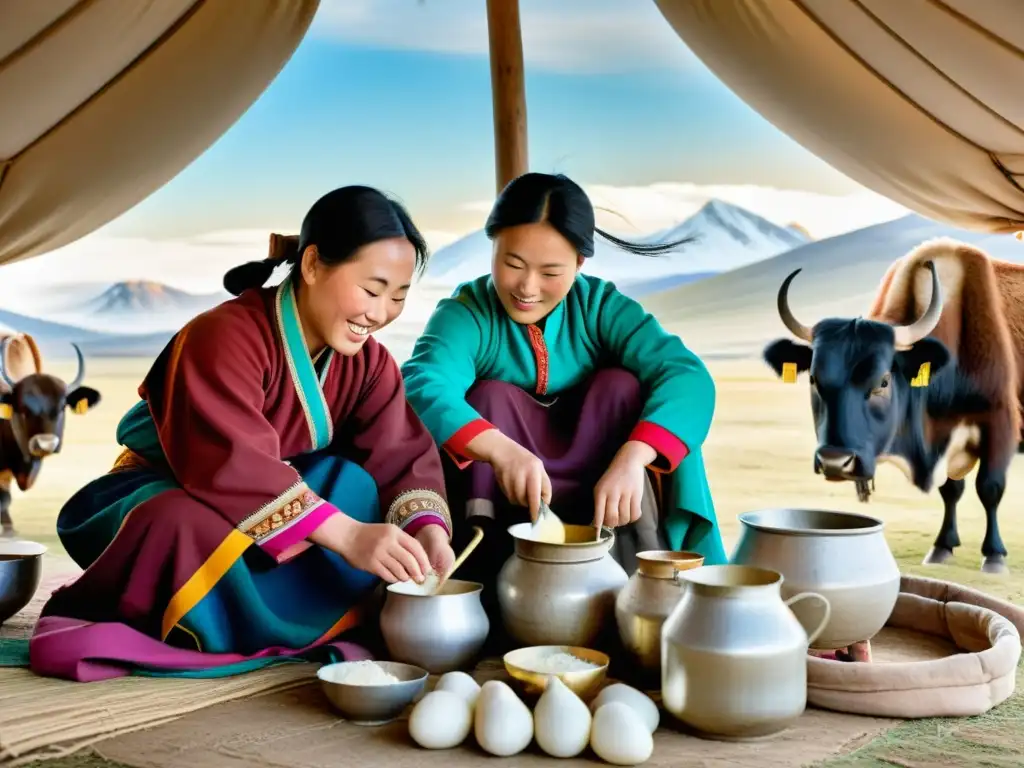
{"x": 32, "y": 415}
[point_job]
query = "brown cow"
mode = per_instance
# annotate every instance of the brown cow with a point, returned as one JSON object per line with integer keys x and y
{"x": 932, "y": 373}
{"x": 32, "y": 407}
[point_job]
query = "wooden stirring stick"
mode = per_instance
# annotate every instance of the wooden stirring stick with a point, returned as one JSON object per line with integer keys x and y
{"x": 477, "y": 538}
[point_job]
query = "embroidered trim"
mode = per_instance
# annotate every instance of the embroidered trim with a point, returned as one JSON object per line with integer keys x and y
{"x": 411, "y": 504}
{"x": 285, "y": 509}
{"x": 540, "y": 352}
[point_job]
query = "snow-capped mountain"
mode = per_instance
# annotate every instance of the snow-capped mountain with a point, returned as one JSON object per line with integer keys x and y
{"x": 727, "y": 237}
{"x": 127, "y": 307}
{"x": 146, "y": 296}
{"x": 736, "y": 313}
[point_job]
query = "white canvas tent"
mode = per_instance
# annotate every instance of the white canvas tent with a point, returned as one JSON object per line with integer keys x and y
{"x": 104, "y": 101}
{"x": 919, "y": 100}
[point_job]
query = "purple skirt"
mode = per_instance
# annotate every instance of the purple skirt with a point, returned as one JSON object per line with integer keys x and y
{"x": 576, "y": 435}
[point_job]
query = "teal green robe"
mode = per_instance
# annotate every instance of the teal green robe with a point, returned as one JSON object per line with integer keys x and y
{"x": 470, "y": 337}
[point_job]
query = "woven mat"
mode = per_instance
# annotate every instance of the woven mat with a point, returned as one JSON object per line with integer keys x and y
{"x": 298, "y": 729}
{"x": 45, "y": 718}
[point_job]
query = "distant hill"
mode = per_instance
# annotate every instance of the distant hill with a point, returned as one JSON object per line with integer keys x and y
{"x": 146, "y": 296}
{"x": 646, "y": 287}
{"x": 55, "y": 339}
{"x": 147, "y": 345}
{"x": 735, "y": 313}
{"x": 128, "y": 307}
{"x": 46, "y": 331}
{"x": 727, "y": 237}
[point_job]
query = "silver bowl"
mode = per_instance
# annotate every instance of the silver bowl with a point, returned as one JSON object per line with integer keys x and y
{"x": 21, "y": 568}
{"x": 373, "y": 704}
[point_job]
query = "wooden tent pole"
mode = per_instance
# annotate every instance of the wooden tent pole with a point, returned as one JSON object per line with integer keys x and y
{"x": 508, "y": 91}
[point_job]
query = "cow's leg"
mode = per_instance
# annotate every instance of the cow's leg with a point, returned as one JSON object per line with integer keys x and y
{"x": 6, "y": 524}
{"x": 998, "y": 449}
{"x": 948, "y": 539}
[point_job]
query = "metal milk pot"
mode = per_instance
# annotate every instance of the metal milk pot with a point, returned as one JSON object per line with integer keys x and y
{"x": 734, "y": 657}
{"x": 840, "y": 555}
{"x": 441, "y": 632}
{"x": 647, "y": 600}
{"x": 559, "y": 594}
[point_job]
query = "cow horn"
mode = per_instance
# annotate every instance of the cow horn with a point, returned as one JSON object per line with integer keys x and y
{"x": 795, "y": 327}
{"x": 908, "y": 335}
{"x": 3, "y": 363}
{"x": 80, "y": 376}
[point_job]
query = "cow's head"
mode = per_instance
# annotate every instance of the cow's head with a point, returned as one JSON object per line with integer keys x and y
{"x": 863, "y": 376}
{"x": 35, "y": 405}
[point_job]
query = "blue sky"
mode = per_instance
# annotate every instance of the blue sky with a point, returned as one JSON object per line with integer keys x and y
{"x": 397, "y": 94}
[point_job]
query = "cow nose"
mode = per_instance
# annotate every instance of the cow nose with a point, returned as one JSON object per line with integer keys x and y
{"x": 835, "y": 462}
{"x": 43, "y": 445}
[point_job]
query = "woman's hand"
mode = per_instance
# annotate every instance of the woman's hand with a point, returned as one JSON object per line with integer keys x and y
{"x": 434, "y": 539}
{"x": 382, "y": 549}
{"x": 521, "y": 476}
{"x": 618, "y": 493}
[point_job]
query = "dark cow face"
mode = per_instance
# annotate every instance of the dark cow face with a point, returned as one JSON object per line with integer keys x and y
{"x": 861, "y": 389}
{"x": 862, "y": 375}
{"x": 35, "y": 407}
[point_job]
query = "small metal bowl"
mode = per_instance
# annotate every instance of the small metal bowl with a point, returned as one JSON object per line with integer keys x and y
{"x": 373, "y": 704}
{"x": 21, "y": 568}
{"x": 524, "y": 666}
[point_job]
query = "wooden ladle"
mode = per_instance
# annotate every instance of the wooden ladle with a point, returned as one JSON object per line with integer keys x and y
{"x": 477, "y": 538}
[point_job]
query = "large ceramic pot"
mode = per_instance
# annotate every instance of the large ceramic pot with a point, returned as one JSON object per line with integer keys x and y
{"x": 559, "y": 594}
{"x": 840, "y": 555}
{"x": 734, "y": 657}
{"x": 441, "y": 632}
{"x": 646, "y": 601}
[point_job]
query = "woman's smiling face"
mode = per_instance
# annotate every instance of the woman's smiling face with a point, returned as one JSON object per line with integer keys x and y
{"x": 533, "y": 270}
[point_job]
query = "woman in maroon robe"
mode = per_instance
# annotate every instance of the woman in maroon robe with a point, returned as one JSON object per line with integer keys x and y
{"x": 272, "y": 473}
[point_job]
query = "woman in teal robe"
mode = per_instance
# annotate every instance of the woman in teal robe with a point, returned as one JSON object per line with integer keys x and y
{"x": 543, "y": 383}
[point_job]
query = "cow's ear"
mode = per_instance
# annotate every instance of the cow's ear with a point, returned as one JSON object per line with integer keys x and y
{"x": 923, "y": 360}
{"x": 6, "y": 406}
{"x": 81, "y": 399}
{"x": 788, "y": 358}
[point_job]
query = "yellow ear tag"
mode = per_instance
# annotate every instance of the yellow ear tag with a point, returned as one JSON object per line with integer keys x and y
{"x": 789, "y": 373}
{"x": 82, "y": 406}
{"x": 6, "y": 411}
{"x": 923, "y": 376}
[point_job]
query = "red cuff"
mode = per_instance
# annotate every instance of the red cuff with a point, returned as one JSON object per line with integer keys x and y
{"x": 417, "y": 524}
{"x": 456, "y": 445}
{"x": 671, "y": 450}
